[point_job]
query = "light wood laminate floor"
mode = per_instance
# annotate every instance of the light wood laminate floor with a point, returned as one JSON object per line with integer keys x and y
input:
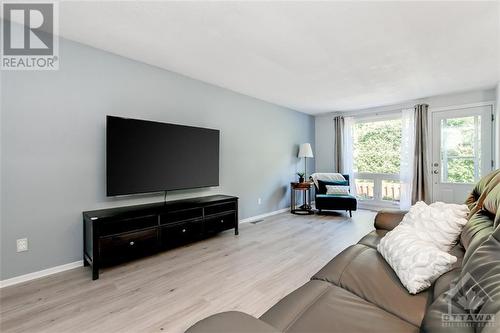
{"x": 170, "y": 291}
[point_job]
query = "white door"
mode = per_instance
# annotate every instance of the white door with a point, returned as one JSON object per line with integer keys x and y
{"x": 461, "y": 151}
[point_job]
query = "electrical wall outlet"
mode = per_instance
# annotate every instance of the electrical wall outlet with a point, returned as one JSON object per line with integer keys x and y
{"x": 259, "y": 201}
{"x": 22, "y": 244}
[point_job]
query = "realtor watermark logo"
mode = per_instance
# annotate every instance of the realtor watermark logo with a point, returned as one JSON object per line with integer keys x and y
{"x": 465, "y": 299}
{"x": 29, "y": 36}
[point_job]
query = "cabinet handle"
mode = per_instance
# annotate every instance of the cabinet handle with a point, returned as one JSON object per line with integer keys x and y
{"x": 221, "y": 221}
{"x": 132, "y": 243}
{"x": 183, "y": 230}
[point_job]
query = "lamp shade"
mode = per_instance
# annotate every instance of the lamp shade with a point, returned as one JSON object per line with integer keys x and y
{"x": 305, "y": 150}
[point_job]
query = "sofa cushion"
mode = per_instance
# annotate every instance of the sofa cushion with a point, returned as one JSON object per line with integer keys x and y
{"x": 480, "y": 278}
{"x": 483, "y": 267}
{"x": 492, "y": 203}
{"x": 231, "y": 321}
{"x": 332, "y": 272}
{"x": 331, "y": 309}
{"x": 444, "y": 282}
{"x": 286, "y": 311}
{"x": 479, "y": 189}
{"x": 433, "y": 321}
{"x": 362, "y": 271}
{"x": 373, "y": 238}
{"x": 476, "y": 231}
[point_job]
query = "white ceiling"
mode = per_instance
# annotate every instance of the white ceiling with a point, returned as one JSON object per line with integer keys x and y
{"x": 310, "y": 56}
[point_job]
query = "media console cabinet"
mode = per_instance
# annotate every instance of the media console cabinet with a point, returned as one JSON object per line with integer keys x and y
{"x": 120, "y": 234}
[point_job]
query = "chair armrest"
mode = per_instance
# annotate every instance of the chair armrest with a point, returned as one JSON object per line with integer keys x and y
{"x": 232, "y": 321}
{"x": 388, "y": 219}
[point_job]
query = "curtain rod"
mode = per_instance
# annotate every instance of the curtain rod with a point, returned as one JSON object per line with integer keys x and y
{"x": 363, "y": 113}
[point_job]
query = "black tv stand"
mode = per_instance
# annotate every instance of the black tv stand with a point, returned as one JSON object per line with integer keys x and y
{"x": 120, "y": 234}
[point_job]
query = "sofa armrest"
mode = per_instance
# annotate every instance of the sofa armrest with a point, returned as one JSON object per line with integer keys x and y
{"x": 232, "y": 321}
{"x": 388, "y": 219}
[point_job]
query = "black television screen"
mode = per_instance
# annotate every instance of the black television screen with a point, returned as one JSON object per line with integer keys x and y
{"x": 147, "y": 156}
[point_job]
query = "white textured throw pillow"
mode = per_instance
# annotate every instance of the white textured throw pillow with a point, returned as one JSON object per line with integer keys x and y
{"x": 440, "y": 223}
{"x": 337, "y": 189}
{"x": 417, "y": 248}
{"x": 417, "y": 263}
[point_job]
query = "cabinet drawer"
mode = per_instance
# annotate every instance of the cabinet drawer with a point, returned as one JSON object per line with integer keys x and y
{"x": 220, "y": 208}
{"x": 181, "y": 233}
{"x": 127, "y": 225}
{"x": 220, "y": 223}
{"x": 128, "y": 245}
{"x": 181, "y": 215}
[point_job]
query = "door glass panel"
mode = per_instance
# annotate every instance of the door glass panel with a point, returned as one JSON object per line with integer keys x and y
{"x": 364, "y": 188}
{"x": 460, "y": 149}
{"x": 390, "y": 190}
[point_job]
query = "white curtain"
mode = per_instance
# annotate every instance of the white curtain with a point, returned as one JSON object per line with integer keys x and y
{"x": 407, "y": 157}
{"x": 348, "y": 152}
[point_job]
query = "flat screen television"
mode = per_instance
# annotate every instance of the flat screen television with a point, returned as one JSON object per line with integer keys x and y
{"x": 147, "y": 156}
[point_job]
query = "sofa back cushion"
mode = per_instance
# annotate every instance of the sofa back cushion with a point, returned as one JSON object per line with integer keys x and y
{"x": 492, "y": 203}
{"x": 483, "y": 203}
{"x": 472, "y": 304}
{"x": 477, "y": 229}
{"x": 479, "y": 188}
{"x": 474, "y": 292}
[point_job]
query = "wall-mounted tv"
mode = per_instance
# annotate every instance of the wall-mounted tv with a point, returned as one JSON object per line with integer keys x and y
{"x": 147, "y": 156}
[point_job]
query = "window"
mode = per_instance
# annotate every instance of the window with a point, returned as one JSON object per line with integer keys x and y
{"x": 461, "y": 149}
{"x": 390, "y": 190}
{"x": 377, "y": 159}
{"x": 364, "y": 188}
{"x": 377, "y": 146}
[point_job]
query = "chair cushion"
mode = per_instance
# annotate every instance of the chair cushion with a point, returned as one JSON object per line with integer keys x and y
{"x": 336, "y": 201}
{"x": 347, "y": 197}
{"x": 331, "y": 309}
{"x": 362, "y": 271}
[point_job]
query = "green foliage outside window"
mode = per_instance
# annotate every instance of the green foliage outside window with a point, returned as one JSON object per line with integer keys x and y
{"x": 457, "y": 149}
{"x": 377, "y": 146}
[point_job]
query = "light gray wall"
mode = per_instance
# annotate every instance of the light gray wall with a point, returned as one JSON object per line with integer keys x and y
{"x": 324, "y": 123}
{"x": 53, "y": 153}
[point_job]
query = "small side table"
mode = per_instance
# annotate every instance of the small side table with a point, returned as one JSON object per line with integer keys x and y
{"x": 305, "y": 188}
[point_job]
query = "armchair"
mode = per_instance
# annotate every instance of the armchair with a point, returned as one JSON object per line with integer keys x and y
{"x": 324, "y": 201}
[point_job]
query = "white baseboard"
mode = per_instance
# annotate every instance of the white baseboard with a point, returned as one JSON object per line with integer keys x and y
{"x": 39, "y": 274}
{"x": 260, "y": 217}
{"x": 79, "y": 263}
